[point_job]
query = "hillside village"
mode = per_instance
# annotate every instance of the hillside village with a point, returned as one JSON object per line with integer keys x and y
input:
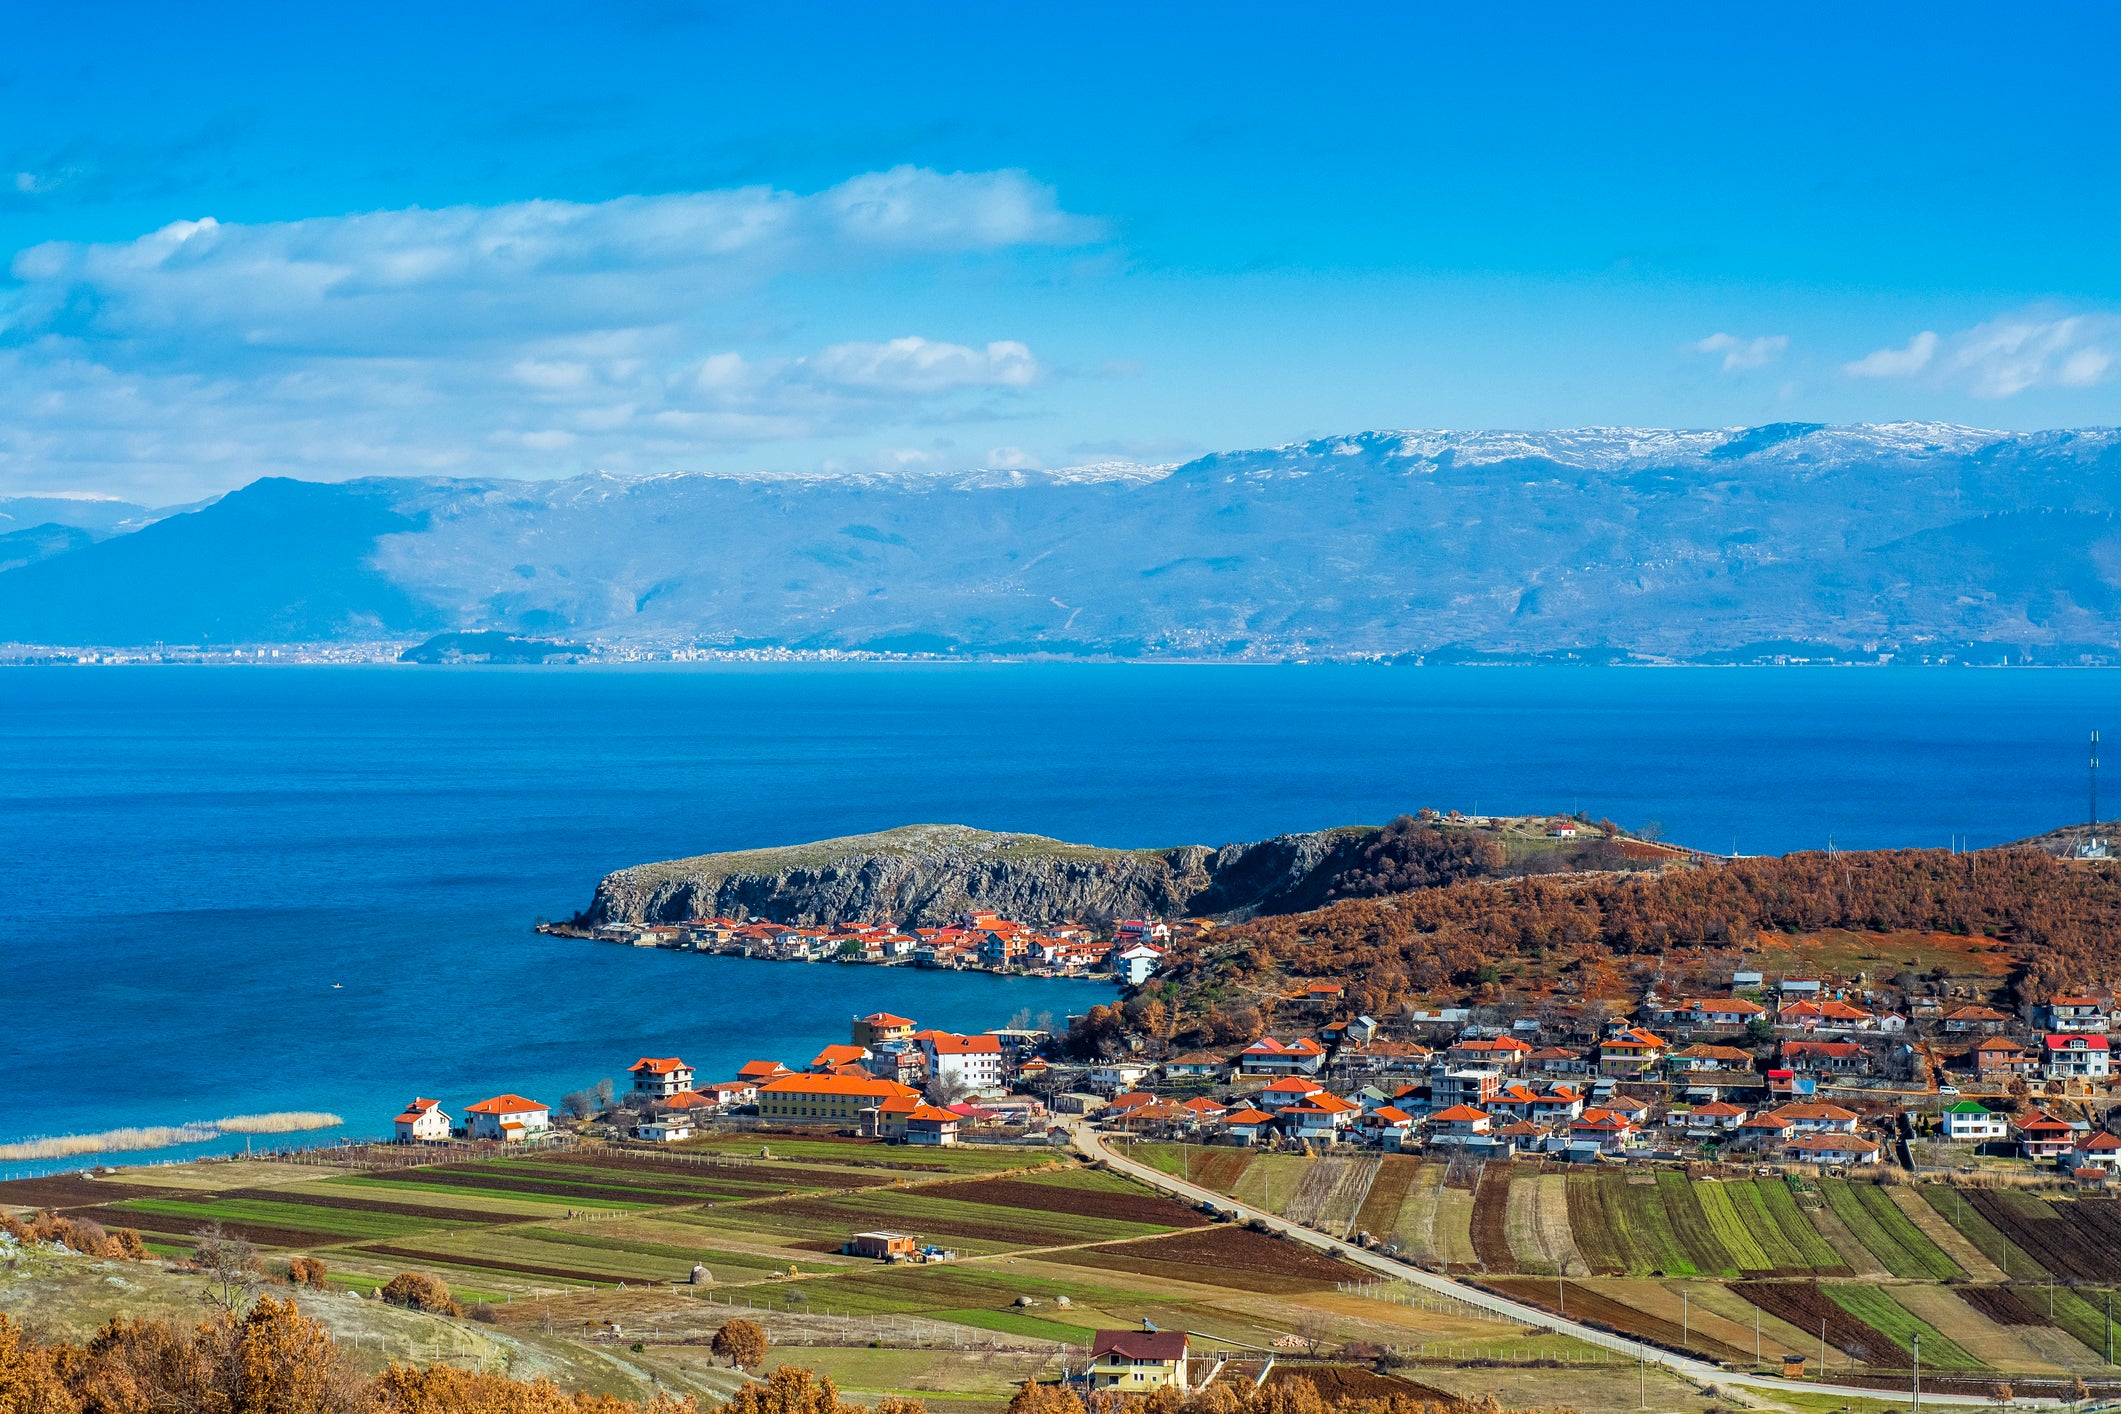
{"x": 1130, "y": 949}
{"x": 1803, "y": 1070}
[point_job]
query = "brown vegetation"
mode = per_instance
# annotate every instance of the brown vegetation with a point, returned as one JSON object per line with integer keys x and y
{"x": 76, "y": 1234}
{"x": 421, "y": 1292}
{"x": 741, "y": 1343}
{"x": 1077, "y": 1202}
{"x": 1805, "y": 1306}
{"x": 2054, "y": 913}
{"x": 270, "y": 1360}
{"x": 1299, "y": 1392}
{"x": 307, "y": 1271}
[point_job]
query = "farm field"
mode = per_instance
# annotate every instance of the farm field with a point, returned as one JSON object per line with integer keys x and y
{"x": 1878, "y": 1262}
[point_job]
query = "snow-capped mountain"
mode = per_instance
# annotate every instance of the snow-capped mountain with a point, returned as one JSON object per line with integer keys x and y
{"x": 1677, "y": 543}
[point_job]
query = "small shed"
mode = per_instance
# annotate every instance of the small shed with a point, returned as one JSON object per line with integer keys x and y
{"x": 883, "y": 1246}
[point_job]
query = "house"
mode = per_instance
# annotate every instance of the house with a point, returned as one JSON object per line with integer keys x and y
{"x": 929, "y": 1125}
{"x": 1194, "y": 1065}
{"x": 887, "y": 1118}
{"x": 658, "y": 1077}
{"x": 1473, "y": 1086}
{"x": 509, "y": 1118}
{"x": 973, "y": 1063}
{"x": 1720, "y": 1013}
{"x": 1835, "y": 1057}
{"x": 1138, "y": 1361}
{"x": 833, "y": 1057}
{"x": 1981, "y": 1020}
{"x": 1503, "y": 1052}
{"x": 2099, "y": 1150}
{"x": 1289, "y": 1090}
{"x": 1120, "y": 1075}
{"x": 1458, "y": 1124}
{"x": 664, "y": 1129}
{"x": 1610, "y": 1130}
{"x": 1566, "y": 830}
{"x": 1765, "y": 1128}
{"x": 1820, "y": 1118}
{"x": 2042, "y": 1136}
{"x": 1629, "y": 1052}
{"x": 881, "y": 1246}
{"x": 1704, "y": 1057}
{"x": 1830, "y": 1016}
{"x": 1389, "y": 1126}
{"x": 825, "y": 1099}
{"x": 758, "y": 1072}
{"x": 1267, "y": 1056}
{"x": 1137, "y": 964}
{"x": 2000, "y": 1057}
{"x": 1128, "y": 1102}
{"x": 728, "y": 1094}
{"x": 1129, "y": 931}
{"x": 1717, "y": 1117}
{"x": 1847, "y": 1149}
{"x": 1247, "y": 1126}
{"x": 423, "y": 1122}
{"x": 2074, "y": 1055}
{"x": 1382, "y": 1057}
{"x": 1202, "y": 1112}
{"x": 1971, "y": 1122}
{"x": 2075, "y": 1014}
{"x": 1558, "y": 1060}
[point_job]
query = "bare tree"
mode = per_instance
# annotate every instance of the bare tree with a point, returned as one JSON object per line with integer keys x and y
{"x": 231, "y": 1266}
{"x": 604, "y": 1092}
{"x": 1314, "y": 1329}
{"x": 947, "y": 1090}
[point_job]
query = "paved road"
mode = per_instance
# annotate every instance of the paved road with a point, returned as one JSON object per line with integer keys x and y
{"x": 1700, "y": 1372}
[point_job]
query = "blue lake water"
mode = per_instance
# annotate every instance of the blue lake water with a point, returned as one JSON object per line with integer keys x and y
{"x": 190, "y": 858}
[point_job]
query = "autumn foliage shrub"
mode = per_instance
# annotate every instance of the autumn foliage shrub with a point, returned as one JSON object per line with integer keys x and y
{"x": 307, "y": 1271}
{"x": 421, "y": 1292}
{"x": 81, "y": 1235}
{"x": 741, "y": 1343}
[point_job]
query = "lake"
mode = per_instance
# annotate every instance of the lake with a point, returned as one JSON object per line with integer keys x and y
{"x": 190, "y": 858}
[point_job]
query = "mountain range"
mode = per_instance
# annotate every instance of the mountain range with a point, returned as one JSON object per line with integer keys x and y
{"x": 1789, "y": 538}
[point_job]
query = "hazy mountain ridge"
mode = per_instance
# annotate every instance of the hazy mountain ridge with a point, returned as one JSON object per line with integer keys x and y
{"x": 1679, "y": 543}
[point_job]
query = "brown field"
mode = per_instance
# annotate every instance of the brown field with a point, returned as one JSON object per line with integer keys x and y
{"x": 1225, "y": 1256}
{"x": 2077, "y": 1240}
{"x": 2001, "y": 1305}
{"x": 544, "y": 1188}
{"x": 1595, "y": 1308}
{"x": 1220, "y": 1169}
{"x": 827, "y": 1212}
{"x": 62, "y": 1191}
{"x": 1805, "y": 1306}
{"x": 310, "y": 1199}
{"x": 1077, "y": 1202}
{"x": 1491, "y": 1214}
{"x": 1380, "y": 1211}
{"x": 1335, "y": 1382}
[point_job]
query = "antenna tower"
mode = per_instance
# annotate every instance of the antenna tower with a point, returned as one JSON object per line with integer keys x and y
{"x": 2093, "y": 847}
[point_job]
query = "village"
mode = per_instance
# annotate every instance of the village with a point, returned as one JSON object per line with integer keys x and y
{"x": 980, "y": 941}
{"x": 1798, "y": 1070}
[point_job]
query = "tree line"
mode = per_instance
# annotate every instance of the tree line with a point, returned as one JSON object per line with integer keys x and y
{"x": 2058, "y": 918}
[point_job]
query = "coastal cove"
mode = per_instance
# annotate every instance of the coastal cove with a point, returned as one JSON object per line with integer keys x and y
{"x": 190, "y": 859}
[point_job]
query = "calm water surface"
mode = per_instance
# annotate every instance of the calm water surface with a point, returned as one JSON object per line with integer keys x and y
{"x": 190, "y": 858}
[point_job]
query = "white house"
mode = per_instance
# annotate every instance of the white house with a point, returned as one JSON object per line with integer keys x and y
{"x": 974, "y": 1063}
{"x": 1136, "y": 964}
{"x": 2075, "y": 1014}
{"x": 1120, "y": 1075}
{"x": 1830, "y": 1149}
{"x": 1248, "y": 1126}
{"x": 1971, "y": 1122}
{"x": 666, "y": 1129}
{"x": 1267, "y": 1056}
{"x": 660, "y": 1077}
{"x": 422, "y": 1122}
{"x": 2074, "y": 1055}
{"x": 509, "y": 1118}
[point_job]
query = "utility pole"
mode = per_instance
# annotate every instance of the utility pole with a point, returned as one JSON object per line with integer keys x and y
{"x": 1642, "y": 1376}
{"x": 1915, "y": 1385}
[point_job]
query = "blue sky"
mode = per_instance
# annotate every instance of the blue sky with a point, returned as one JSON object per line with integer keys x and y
{"x": 535, "y": 240}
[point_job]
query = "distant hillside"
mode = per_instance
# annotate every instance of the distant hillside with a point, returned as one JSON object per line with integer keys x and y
{"x": 923, "y": 875}
{"x": 1792, "y": 539}
{"x": 2057, "y": 921}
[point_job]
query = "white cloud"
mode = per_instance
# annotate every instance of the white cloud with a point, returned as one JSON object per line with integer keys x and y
{"x": 533, "y": 338}
{"x": 1896, "y": 363}
{"x": 2004, "y": 357}
{"x": 1741, "y": 355}
{"x": 915, "y": 365}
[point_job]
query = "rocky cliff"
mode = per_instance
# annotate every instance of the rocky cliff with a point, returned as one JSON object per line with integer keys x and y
{"x": 924, "y": 875}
